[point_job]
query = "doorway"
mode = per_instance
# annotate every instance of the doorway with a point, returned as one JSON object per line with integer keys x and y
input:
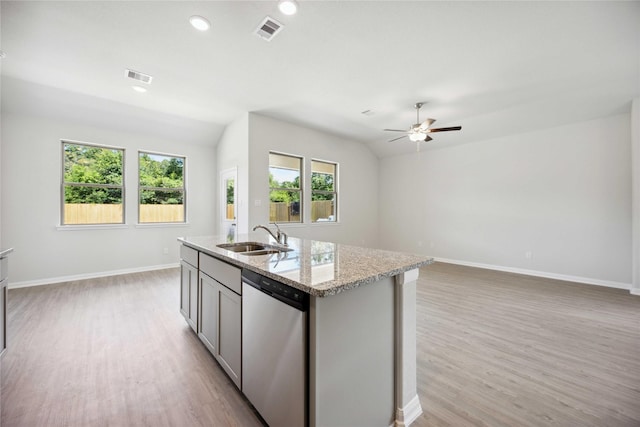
{"x": 228, "y": 203}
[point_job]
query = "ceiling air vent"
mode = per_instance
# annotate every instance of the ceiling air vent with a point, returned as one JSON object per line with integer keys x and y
{"x": 136, "y": 75}
{"x": 268, "y": 28}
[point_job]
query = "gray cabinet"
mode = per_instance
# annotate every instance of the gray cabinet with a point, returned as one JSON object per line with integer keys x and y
{"x": 4, "y": 284}
{"x": 189, "y": 285}
{"x": 189, "y": 294}
{"x": 220, "y": 323}
{"x": 208, "y": 325}
{"x": 3, "y": 316}
{"x": 230, "y": 336}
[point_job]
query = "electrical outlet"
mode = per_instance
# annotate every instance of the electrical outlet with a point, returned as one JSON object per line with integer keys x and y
{"x": 419, "y": 243}
{"x": 528, "y": 255}
{"x": 432, "y": 245}
{"x": 165, "y": 251}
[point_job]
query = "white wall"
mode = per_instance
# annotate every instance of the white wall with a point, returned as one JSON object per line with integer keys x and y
{"x": 1, "y": 247}
{"x": 232, "y": 151}
{"x": 635, "y": 151}
{"x": 357, "y": 179}
{"x": 563, "y": 194}
{"x": 31, "y": 156}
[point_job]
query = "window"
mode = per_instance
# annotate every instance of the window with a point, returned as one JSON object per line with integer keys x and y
{"x": 285, "y": 188}
{"x": 324, "y": 196}
{"x": 92, "y": 184}
{"x": 161, "y": 188}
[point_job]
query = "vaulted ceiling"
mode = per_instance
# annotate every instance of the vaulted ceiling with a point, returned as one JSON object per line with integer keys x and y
{"x": 496, "y": 68}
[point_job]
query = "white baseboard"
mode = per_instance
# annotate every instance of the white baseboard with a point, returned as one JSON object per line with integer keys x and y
{"x": 567, "y": 278}
{"x": 407, "y": 415}
{"x": 50, "y": 281}
{"x": 635, "y": 291}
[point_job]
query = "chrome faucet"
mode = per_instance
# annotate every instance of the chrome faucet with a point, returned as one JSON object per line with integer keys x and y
{"x": 280, "y": 236}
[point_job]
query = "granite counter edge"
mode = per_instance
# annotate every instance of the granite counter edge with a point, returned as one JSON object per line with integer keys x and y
{"x": 333, "y": 290}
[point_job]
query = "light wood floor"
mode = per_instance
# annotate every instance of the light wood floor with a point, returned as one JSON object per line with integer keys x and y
{"x": 494, "y": 349}
{"x": 112, "y": 352}
{"x": 501, "y": 349}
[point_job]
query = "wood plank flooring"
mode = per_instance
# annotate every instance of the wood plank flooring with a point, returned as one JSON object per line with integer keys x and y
{"x": 500, "y": 349}
{"x": 494, "y": 349}
{"x": 112, "y": 351}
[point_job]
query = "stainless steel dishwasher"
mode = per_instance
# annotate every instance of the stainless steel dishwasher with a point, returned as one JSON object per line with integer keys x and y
{"x": 274, "y": 349}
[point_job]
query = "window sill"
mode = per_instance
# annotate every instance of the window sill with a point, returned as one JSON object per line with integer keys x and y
{"x": 78, "y": 227}
{"x": 288, "y": 224}
{"x": 284, "y": 225}
{"x": 162, "y": 225}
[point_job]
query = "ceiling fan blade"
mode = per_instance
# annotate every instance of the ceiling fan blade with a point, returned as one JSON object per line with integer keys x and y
{"x": 425, "y": 125}
{"x": 393, "y": 130}
{"x": 395, "y": 139}
{"x": 444, "y": 129}
{"x": 428, "y": 138}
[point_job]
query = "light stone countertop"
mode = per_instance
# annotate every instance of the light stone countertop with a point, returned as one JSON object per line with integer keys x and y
{"x": 5, "y": 252}
{"x": 315, "y": 267}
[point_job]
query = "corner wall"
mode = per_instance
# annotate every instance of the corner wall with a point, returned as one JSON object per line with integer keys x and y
{"x": 555, "y": 203}
{"x": 232, "y": 151}
{"x": 357, "y": 180}
{"x": 1, "y": 246}
{"x": 635, "y": 151}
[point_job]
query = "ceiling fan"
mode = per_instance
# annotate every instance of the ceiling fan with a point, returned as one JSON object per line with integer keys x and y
{"x": 419, "y": 131}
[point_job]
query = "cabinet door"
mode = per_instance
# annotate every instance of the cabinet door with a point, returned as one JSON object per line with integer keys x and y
{"x": 189, "y": 294}
{"x": 230, "y": 333}
{"x": 208, "y": 324}
{"x": 184, "y": 289}
{"x": 3, "y": 316}
{"x": 193, "y": 299}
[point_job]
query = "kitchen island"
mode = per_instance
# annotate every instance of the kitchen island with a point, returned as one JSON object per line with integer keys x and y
{"x": 361, "y": 324}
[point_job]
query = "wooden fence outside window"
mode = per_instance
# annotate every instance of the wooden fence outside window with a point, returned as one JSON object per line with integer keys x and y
{"x": 86, "y": 213}
{"x": 283, "y": 212}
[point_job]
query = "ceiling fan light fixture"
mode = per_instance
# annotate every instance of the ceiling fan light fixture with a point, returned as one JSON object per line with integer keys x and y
{"x": 288, "y": 7}
{"x": 417, "y": 136}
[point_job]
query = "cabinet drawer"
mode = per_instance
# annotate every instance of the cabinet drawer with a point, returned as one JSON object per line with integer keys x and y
{"x": 189, "y": 255}
{"x": 224, "y": 273}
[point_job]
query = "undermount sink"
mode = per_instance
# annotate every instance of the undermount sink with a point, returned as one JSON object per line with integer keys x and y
{"x": 242, "y": 247}
{"x": 264, "y": 252}
{"x": 252, "y": 248}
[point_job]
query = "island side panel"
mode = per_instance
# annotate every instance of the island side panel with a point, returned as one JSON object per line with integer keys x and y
{"x": 408, "y": 407}
{"x": 351, "y": 357}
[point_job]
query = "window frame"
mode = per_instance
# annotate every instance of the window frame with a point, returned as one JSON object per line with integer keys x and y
{"x": 63, "y": 184}
{"x": 183, "y": 189}
{"x": 300, "y": 190}
{"x": 334, "y": 192}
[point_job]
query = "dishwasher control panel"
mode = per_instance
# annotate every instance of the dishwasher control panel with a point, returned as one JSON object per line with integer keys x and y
{"x": 285, "y": 293}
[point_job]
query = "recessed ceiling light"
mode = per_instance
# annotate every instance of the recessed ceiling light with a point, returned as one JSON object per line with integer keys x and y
{"x": 139, "y": 89}
{"x": 200, "y": 23}
{"x": 288, "y": 7}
